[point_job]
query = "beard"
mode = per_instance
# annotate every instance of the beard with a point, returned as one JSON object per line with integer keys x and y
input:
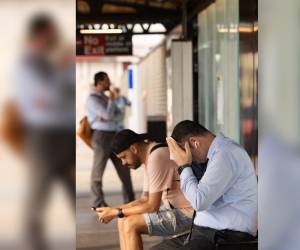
{"x": 136, "y": 163}
{"x": 136, "y": 167}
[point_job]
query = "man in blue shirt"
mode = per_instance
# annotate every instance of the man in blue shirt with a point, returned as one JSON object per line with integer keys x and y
{"x": 102, "y": 113}
{"x": 225, "y": 198}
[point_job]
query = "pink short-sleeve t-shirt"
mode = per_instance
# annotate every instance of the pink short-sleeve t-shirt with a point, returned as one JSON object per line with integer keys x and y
{"x": 160, "y": 175}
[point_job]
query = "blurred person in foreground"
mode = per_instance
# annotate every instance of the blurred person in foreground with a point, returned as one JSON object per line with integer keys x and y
{"x": 122, "y": 102}
{"x": 45, "y": 91}
{"x": 225, "y": 199}
{"x": 162, "y": 210}
{"x": 103, "y": 115}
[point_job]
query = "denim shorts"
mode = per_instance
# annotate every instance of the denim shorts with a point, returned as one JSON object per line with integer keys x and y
{"x": 167, "y": 222}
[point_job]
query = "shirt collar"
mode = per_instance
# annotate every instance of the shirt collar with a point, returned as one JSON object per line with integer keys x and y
{"x": 214, "y": 145}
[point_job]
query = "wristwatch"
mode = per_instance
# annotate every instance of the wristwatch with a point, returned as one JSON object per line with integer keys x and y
{"x": 180, "y": 169}
{"x": 120, "y": 213}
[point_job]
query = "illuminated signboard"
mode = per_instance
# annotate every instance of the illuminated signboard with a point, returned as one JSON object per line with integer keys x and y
{"x": 103, "y": 44}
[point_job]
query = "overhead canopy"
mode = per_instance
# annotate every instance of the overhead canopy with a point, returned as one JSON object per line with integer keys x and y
{"x": 145, "y": 13}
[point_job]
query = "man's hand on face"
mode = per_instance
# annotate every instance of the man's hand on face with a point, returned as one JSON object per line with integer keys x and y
{"x": 111, "y": 95}
{"x": 179, "y": 155}
{"x": 106, "y": 214}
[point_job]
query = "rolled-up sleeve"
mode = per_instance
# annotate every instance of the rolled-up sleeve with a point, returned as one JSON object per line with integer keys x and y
{"x": 212, "y": 186}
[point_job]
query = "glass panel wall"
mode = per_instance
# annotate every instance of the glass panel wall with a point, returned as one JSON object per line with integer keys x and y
{"x": 218, "y": 59}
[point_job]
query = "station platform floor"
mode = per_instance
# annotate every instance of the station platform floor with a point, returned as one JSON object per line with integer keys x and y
{"x": 90, "y": 234}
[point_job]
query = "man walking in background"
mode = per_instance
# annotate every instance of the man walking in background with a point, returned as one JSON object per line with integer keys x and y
{"x": 102, "y": 113}
{"x": 45, "y": 101}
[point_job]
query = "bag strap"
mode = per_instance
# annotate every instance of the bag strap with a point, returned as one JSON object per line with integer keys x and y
{"x": 188, "y": 238}
{"x": 160, "y": 145}
{"x": 99, "y": 98}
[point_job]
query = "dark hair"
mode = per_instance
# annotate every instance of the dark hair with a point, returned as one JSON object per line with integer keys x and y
{"x": 188, "y": 128}
{"x": 125, "y": 138}
{"x": 100, "y": 76}
{"x": 39, "y": 24}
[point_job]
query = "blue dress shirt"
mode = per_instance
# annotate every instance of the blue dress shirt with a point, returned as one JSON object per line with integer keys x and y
{"x": 226, "y": 196}
{"x": 102, "y": 113}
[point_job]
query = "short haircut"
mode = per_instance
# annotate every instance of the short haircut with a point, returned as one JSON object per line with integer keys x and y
{"x": 125, "y": 138}
{"x": 188, "y": 128}
{"x": 39, "y": 24}
{"x": 100, "y": 76}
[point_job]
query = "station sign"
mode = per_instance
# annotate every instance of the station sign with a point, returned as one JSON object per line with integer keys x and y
{"x": 103, "y": 44}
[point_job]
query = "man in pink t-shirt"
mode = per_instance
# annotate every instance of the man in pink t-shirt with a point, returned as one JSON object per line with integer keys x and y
{"x": 162, "y": 210}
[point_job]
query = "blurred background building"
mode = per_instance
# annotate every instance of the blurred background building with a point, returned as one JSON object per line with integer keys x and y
{"x": 223, "y": 56}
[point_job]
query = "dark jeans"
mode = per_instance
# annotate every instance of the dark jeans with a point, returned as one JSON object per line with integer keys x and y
{"x": 101, "y": 142}
{"x": 203, "y": 238}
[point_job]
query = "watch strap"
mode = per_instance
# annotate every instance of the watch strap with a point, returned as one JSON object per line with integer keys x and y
{"x": 120, "y": 213}
{"x": 180, "y": 169}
